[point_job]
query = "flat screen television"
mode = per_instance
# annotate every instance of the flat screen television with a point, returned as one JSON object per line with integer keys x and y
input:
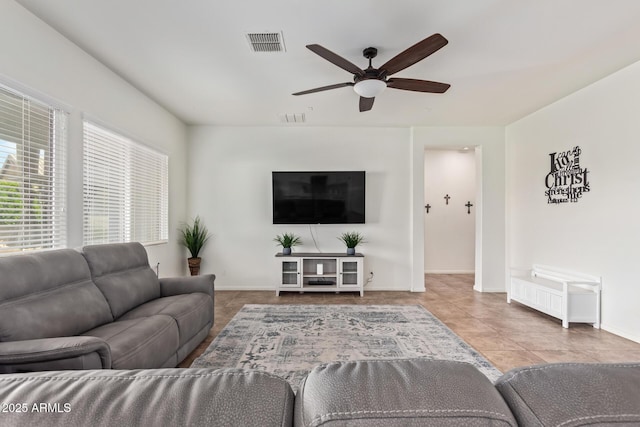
{"x": 318, "y": 197}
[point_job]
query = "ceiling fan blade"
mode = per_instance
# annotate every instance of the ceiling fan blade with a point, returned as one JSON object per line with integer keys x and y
{"x": 335, "y": 59}
{"x": 320, "y": 89}
{"x": 415, "y": 53}
{"x": 418, "y": 85}
{"x": 366, "y": 103}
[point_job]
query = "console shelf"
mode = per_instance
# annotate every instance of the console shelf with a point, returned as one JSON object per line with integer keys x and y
{"x": 320, "y": 272}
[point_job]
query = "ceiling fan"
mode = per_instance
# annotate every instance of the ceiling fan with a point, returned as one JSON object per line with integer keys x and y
{"x": 371, "y": 82}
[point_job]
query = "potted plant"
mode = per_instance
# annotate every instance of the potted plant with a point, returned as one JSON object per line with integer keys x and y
{"x": 287, "y": 241}
{"x": 193, "y": 237}
{"x": 351, "y": 239}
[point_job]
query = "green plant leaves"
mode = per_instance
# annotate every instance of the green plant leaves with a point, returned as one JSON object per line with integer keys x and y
{"x": 288, "y": 240}
{"x": 351, "y": 239}
{"x": 193, "y": 237}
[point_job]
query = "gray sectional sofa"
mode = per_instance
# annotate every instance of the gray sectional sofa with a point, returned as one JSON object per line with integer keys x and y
{"x": 389, "y": 393}
{"x": 101, "y": 307}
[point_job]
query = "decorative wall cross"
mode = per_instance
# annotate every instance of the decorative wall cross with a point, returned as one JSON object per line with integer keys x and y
{"x": 427, "y": 207}
{"x": 468, "y": 205}
{"x": 447, "y": 197}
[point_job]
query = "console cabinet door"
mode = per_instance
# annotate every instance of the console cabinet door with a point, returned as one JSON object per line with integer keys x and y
{"x": 290, "y": 273}
{"x": 350, "y": 272}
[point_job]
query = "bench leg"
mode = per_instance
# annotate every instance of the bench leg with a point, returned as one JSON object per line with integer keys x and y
{"x": 598, "y": 296}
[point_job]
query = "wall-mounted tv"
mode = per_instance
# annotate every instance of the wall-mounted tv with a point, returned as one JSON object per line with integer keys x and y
{"x": 318, "y": 197}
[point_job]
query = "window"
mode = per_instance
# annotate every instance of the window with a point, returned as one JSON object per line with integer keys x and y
{"x": 125, "y": 196}
{"x": 32, "y": 174}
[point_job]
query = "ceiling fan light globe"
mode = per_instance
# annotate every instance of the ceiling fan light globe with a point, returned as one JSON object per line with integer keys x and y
{"x": 369, "y": 88}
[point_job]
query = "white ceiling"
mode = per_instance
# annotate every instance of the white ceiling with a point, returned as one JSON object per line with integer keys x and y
{"x": 505, "y": 58}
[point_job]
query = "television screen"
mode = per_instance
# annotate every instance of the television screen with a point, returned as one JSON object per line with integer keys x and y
{"x": 318, "y": 197}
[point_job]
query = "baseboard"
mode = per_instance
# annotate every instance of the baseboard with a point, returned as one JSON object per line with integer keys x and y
{"x": 620, "y": 333}
{"x": 495, "y": 291}
{"x": 243, "y": 288}
{"x": 273, "y": 288}
{"x": 449, "y": 272}
{"x": 385, "y": 289}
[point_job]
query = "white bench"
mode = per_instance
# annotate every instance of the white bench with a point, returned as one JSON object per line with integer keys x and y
{"x": 566, "y": 295}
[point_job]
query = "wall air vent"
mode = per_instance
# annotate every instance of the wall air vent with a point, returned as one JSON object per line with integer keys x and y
{"x": 292, "y": 117}
{"x": 266, "y": 42}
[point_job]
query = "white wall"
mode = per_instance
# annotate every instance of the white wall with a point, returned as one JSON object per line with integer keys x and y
{"x": 230, "y": 188}
{"x": 449, "y": 244}
{"x": 599, "y": 234}
{"x": 490, "y": 202}
{"x": 47, "y": 64}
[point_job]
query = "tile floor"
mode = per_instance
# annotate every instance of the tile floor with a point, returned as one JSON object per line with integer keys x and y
{"x": 509, "y": 335}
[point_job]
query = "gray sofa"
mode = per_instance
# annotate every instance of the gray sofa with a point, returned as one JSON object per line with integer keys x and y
{"x": 101, "y": 307}
{"x": 403, "y": 392}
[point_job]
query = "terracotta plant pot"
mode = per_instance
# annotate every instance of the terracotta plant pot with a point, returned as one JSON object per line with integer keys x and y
{"x": 194, "y": 265}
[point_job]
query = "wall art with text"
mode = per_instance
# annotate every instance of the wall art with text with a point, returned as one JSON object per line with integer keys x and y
{"x": 567, "y": 180}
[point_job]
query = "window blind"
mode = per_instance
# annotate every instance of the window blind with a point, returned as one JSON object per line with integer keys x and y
{"x": 32, "y": 173}
{"x": 125, "y": 189}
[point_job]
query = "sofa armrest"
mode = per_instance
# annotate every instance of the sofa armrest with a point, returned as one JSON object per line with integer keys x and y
{"x": 78, "y": 352}
{"x": 572, "y": 394}
{"x": 187, "y": 285}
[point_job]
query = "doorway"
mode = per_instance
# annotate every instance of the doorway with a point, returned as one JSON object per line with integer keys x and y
{"x": 450, "y": 189}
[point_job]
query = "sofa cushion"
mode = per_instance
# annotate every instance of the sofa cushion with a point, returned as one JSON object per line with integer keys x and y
{"x": 122, "y": 273}
{"x": 190, "y": 311}
{"x": 399, "y": 392}
{"x": 573, "y": 394}
{"x": 160, "y": 397}
{"x": 139, "y": 343}
{"x": 48, "y": 294}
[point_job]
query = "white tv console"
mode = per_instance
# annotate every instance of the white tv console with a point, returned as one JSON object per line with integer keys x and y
{"x": 320, "y": 272}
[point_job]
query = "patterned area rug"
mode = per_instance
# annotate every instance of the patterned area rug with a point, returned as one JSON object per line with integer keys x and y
{"x": 289, "y": 340}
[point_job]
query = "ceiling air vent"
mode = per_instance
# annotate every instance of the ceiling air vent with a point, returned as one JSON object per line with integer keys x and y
{"x": 292, "y": 117}
{"x": 266, "y": 42}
